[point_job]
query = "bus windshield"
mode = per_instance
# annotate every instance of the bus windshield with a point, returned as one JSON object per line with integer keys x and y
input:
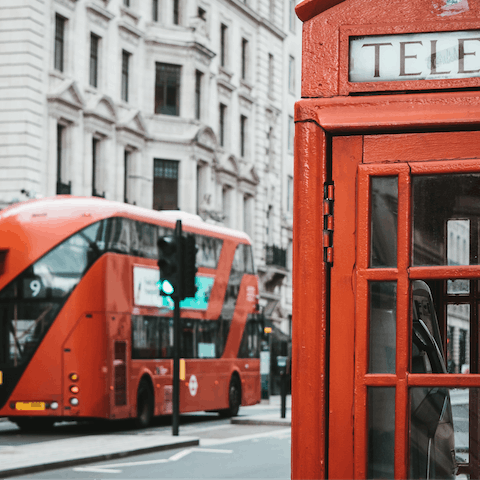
{"x": 30, "y": 303}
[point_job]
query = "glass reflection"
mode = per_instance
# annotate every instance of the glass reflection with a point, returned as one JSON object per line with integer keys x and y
{"x": 458, "y": 338}
{"x": 381, "y": 432}
{"x": 432, "y": 432}
{"x": 445, "y": 219}
{"x": 383, "y": 303}
{"x": 384, "y": 211}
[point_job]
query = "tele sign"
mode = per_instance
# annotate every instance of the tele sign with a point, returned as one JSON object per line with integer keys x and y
{"x": 415, "y": 56}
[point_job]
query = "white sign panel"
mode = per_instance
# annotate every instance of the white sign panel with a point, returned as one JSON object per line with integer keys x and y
{"x": 145, "y": 289}
{"x": 416, "y": 56}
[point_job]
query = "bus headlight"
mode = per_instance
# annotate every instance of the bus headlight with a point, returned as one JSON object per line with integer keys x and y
{"x": 54, "y": 405}
{"x": 74, "y": 401}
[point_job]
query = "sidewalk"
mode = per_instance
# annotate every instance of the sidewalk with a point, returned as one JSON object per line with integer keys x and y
{"x": 18, "y": 459}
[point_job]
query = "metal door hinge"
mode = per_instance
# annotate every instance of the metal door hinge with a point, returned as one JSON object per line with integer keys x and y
{"x": 328, "y": 192}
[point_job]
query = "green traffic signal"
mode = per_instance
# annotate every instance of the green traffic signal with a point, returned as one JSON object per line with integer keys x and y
{"x": 168, "y": 264}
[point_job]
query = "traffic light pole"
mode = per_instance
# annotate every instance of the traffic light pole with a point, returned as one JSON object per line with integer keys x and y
{"x": 176, "y": 338}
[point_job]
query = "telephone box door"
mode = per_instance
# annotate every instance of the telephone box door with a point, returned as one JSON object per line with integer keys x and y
{"x": 404, "y": 276}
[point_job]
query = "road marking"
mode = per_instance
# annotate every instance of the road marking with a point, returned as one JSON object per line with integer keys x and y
{"x": 175, "y": 457}
{"x": 206, "y": 442}
{"x": 96, "y": 470}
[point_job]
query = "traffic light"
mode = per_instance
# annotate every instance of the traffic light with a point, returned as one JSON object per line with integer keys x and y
{"x": 189, "y": 267}
{"x": 168, "y": 264}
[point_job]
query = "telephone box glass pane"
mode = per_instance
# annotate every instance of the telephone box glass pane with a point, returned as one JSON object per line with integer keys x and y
{"x": 432, "y": 434}
{"x": 381, "y": 432}
{"x": 444, "y": 428}
{"x": 427, "y": 345}
{"x": 458, "y": 338}
{"x": 384, "y": 221}
{"x": 383, "y": 306}
{"x": 446, "y": 219}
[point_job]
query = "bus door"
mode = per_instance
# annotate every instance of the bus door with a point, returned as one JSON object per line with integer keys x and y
{"x": 119, "y": 335}
{"x": 404, "y": 301}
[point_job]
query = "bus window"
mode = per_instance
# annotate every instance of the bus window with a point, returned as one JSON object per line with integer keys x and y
{"x": 204, "y": 338}
{"x": 251, "y": 339}
{"x": 208, "y": 252}
{"x": 152, "y": 337}
{"x": 243, "y": 260}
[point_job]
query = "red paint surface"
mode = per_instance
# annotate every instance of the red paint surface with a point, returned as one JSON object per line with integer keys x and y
{"x": 327, "y": 24}
{"x": 309, "y": 389}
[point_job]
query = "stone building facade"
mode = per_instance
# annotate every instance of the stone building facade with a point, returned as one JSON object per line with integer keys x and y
{"x": 163, "y": 103}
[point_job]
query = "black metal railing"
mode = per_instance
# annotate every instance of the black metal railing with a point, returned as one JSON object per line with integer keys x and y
{"x": 276, "y": 256}
{"x": 64, "y": 188}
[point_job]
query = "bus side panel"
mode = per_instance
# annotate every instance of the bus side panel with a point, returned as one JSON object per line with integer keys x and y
{"x": 119, "y": 283}
{"x": 206, "y": 384}
{"x": 118, "y": 362}
{"x": 250, "y": 376}
{"x": 85, "y": 353}
{"x": 44, "y": 376}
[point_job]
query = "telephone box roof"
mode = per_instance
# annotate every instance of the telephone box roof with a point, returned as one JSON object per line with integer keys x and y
{"x": 311, "y": 8}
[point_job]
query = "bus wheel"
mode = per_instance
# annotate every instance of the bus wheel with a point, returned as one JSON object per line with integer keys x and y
{"x": 234, "y": 398}
{"x": 33, "y": 424}
{"x": 144, "y": 405}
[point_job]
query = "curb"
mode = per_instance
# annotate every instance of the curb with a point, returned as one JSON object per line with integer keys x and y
{"x": 252, "y": 421}
{"x": 98, "y": 458}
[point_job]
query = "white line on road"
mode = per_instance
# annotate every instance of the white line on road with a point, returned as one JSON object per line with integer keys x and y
{"x": 283, "y": 433}
{"x": 177, "y": 456}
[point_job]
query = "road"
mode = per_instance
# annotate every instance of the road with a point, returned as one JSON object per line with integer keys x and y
{"x": 225, "y": 451}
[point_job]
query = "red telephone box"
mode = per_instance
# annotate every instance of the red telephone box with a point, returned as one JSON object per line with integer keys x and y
{"x": 386, "y": 380}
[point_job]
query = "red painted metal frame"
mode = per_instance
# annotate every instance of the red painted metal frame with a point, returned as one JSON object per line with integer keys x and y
{"x": 309, "y": 360}
{"x": 364, "y": 276}
{"x": 316, "y": 121}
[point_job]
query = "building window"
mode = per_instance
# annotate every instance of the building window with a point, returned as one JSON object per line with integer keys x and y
{"x": 270, "y": 75}
{"x": 176, "y": 12}
{"x": 62, "y": 188}
{"x": 244, "y": 58}
{"x": 94, "y": 42}
{"x": 167, "y": 89}
{"x": 125, "y": 73}
{"x": 223, "y": 45}
{"x": 292, "y": 16}
{"x": 126, "y": 3}
{"x": 270, "y": 147}
{"x": 95, "y": 159}
{"x": 222, "y": 115}
{"x": 227, "y": 205}
{"x": 243, "y": 134}
{"x": 126, "y": 166}
{"x": 291, "y": 74}
{"x": 291, "y": 133}
{"x": 155, "y": 10}
{"x": 289, "y": 194}
{"x": 198, "y": 93}
{"x": 165, "y": 184}
{"x": 247, "y": 214}
{"x": 59, "y": 43}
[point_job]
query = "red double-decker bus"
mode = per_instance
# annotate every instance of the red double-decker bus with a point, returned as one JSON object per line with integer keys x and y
{"x": 84, "y": 332}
